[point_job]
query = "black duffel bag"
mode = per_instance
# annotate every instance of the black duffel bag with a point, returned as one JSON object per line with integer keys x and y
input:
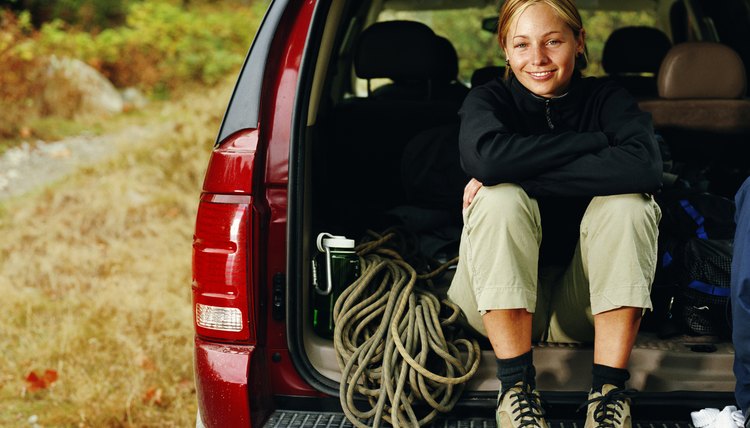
{"x": 691, "y": 290}
{"x": 703, "y": 278}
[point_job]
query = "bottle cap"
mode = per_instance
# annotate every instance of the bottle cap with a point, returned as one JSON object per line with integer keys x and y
{"x": 338, "y": 242}
{"x": 326, "y": 240}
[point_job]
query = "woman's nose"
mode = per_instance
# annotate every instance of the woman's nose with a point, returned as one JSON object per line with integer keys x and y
{"x": 540, "y": 56}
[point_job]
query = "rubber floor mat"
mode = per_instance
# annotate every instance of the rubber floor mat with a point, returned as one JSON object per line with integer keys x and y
{"x": 292, "y": 419}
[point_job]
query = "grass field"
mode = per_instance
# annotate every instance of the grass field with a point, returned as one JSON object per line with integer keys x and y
{"x": 95, "y": 283}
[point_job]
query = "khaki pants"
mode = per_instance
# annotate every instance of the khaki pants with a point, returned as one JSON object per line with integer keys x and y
{"x": 613, "y": 265}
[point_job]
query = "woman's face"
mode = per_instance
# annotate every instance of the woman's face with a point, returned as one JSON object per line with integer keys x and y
{"x": 541, "y": 50}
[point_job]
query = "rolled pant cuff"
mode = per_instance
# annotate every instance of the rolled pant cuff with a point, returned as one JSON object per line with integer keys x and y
{"x": 635, "y": 296}
{"x": 491, "y": 298}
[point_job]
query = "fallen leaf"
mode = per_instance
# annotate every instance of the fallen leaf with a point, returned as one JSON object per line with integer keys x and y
{"x": 34, "y": 382}
{"x": 153, "y": 396}
{"x": 50, "y": 376}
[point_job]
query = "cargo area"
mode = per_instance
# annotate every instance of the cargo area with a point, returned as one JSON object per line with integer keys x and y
{"x": 349, "y": 169}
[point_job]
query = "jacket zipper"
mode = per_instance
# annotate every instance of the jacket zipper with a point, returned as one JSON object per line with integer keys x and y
{"x": 548, "y": 114}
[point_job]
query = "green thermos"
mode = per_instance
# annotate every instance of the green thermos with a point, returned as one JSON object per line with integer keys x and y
{"x": 334, "y": 267}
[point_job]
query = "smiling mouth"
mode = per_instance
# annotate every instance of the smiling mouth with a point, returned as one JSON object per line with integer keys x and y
{"x": 540, "y": 74}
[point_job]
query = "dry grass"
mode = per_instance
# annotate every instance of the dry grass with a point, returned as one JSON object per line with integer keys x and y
{"x": 95, "y": 283}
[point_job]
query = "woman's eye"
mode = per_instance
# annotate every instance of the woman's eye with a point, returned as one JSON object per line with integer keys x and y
{"x": 553, "y": 42}
{"x": 520, "y": 45}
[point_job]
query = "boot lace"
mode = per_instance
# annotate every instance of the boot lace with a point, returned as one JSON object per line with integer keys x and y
{"x": 609, "y": 408}
{"x": 527, "y": 406}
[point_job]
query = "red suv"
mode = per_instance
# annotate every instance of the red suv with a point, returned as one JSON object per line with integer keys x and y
{"x": 313, "y": 140}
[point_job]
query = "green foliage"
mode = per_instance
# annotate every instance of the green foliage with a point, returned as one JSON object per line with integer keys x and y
{"x": 86, "y": 14}
{"x": 476, "y": 48}
{"x": 20, "y": 65}
{"x": 161, "y": 45}
{"x": 91, "y": 14}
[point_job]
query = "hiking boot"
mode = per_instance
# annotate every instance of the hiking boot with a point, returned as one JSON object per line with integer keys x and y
{"x": 519, "y": 407}
{"x": 608, "y": 408}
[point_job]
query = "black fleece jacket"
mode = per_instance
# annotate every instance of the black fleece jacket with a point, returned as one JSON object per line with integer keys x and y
{"x": 562, "y": 151}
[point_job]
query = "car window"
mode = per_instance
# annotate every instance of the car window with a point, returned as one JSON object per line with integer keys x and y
{"x": 600, "y": 24}
{"x": 463, "y": 27}
{"x": 477, "y": 48}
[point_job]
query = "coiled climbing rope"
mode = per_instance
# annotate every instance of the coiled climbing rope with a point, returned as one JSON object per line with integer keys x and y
{"x": 393, "y": 347}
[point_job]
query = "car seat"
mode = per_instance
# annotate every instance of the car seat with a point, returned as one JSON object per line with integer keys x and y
{"x": 632, "y": 56}
{"x": 437, "y": 82}
{"x": 701, "y": 110}
{"x": 701, "y": 87}
{"x": 367, "y": 135}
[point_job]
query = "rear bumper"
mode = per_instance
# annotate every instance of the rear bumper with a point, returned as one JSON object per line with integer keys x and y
{"x": 233, "y": 390}
{"x": 649, "y": 410}
{"x": 221, "y": 380}
{"x": 313, "y": 419}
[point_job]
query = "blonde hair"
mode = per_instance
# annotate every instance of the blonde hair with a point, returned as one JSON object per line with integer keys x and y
{"x": 565, "y": 9}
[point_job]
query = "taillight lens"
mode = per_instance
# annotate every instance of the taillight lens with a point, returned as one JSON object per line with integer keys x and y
{"x": 218, "y": 318}
{"x": 222, "y": 303}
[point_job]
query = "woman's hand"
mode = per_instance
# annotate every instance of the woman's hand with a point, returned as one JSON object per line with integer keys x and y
{"x": 470, "y": 191}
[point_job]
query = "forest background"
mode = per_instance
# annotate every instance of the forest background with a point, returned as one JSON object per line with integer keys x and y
{"x": 95, "y": 268}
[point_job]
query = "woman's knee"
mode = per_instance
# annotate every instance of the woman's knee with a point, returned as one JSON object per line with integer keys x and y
{"x": 506, "y": 201}
{"x": 629, "y": 209}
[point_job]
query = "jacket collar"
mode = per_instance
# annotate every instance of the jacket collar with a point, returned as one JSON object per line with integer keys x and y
{"x": 530, "y": 102}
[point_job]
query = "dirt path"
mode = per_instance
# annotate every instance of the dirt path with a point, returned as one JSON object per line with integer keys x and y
{"x": 30, "y": 166}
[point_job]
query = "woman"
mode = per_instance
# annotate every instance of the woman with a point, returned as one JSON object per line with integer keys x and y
{"x": 550, "y": 151}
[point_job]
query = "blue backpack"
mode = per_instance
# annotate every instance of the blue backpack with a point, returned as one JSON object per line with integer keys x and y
{"x": 692, "y": 285}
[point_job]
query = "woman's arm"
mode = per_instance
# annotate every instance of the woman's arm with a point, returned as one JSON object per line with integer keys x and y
{"x": 631, "y": 163}
{"x": 493, "y": 152}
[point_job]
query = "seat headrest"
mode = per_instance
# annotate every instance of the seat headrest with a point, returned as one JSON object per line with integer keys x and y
{"x": 634, "y": 50}
{"x": 701, "y": 70}
{"x": 399, "y": 50}
{"x": 486, "y": 74}
{"x": 446, "y": 69}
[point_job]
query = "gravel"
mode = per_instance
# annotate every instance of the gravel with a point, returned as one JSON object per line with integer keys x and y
{"x": 33, "y": 165}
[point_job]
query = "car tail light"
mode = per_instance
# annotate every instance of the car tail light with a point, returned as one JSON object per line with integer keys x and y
{"x": 222, "y": 302}
{"x": 218, "y": 318}
{"x": 222, "y": 263}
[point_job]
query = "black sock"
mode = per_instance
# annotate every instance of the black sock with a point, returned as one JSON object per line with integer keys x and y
{"x": 510, "y": 371}
{"x": 608, "y": 375}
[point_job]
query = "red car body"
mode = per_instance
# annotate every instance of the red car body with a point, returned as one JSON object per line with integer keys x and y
{"x": 243, "y": 358}
{"x": 244, "y": 202}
